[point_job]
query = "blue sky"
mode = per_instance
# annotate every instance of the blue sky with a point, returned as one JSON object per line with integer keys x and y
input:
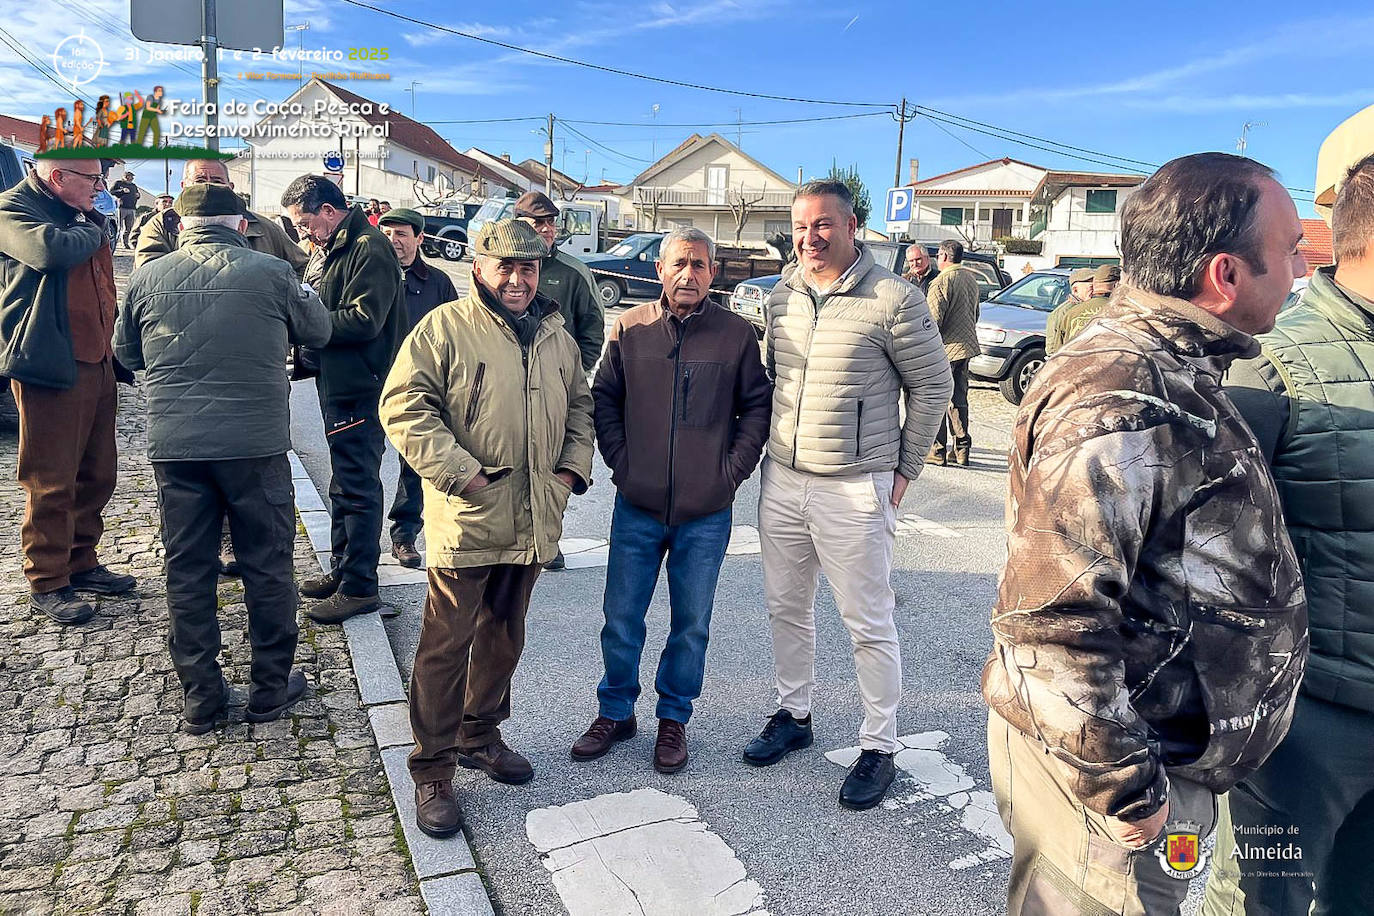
{"x": 1149, "y": 82}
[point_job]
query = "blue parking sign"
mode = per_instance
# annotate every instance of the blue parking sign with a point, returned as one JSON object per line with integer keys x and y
{"x": 899, "y": 205}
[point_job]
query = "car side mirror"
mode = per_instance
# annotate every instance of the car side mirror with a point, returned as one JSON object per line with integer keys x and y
{"x": 644, "y": 256}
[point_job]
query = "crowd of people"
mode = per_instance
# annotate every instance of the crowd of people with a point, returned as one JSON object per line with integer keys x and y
{"x": 1182, "y": 638}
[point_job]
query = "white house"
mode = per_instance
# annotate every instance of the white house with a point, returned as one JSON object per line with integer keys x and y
{"x": 706, "y": 182}
{"x": 975, "y": 204}
{"x": 386, "y": 154}
{"x": 1077, "y": 216}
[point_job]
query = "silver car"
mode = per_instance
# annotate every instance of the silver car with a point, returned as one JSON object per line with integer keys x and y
{"x": 1011, "y": 330}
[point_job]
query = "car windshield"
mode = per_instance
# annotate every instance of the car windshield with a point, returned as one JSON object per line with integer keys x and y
{"x": 496, "y": 208}
{"x": 1037, "y": 291}
{"x": 623, "y": 250}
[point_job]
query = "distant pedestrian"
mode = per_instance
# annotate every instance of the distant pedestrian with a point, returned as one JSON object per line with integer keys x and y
{"x": 359, "y": 280}
{"x": 57, "y": 311}
{"x": 682, "y": 407}
{"x": 373, "y": 210}
{"x": 953, "y": 302}
{"x": 849, "y": 345}
{"x": 1309, "y": 398}
{"x": 211, "y": 323}
{"x": 1150, "y": 628}
{"x": 1057, "y": 326}
{"x": 919, "y": 269}
{"x": 488, "y": 403}
{"x": 426, "y": 288}
{"x": 127, "y": 193}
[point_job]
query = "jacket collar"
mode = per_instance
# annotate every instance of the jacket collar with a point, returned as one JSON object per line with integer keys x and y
{"x": 348, "y": 229}
{"x": 796, "y": 280}
{"x": 1324, "y": 289}
{"x": 40, "y": 187}
{"x": 208, "y": 235}
{"x": 542, "y": 306}
{"x": 700, "y": 311}
{"x": 1192, "y": 332}
{"x": 419, "y": 268}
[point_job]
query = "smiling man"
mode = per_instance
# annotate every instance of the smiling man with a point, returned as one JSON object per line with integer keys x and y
{"x": 489, "y": 404}
{"x": 682, "y": 407}
{"x": 849, "y": 344}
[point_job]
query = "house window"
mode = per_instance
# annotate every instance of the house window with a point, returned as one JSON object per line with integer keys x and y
{"x": 772, "y": 227}
{"x": 431, "y": 174}
{"x": 1101, "y": 201}
{"x": 678, "y": 222}
{"x": 984, "y": 213}
{"x": 951, "y": 216}
{"x": 717, "y": 180}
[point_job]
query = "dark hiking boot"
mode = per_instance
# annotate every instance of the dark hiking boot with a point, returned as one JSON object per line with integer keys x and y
{"x": 321, "y": 586}
{"x": 436, "y": 809}
{"x": 406, "y": 555}
{"x": 782, "y": 735}
{"x": 295, "y": 689}
{"x": 102, "y": 581}
{"x": 601, "y": 736}
{"x": 62, "y": 606}
{"x": 499, "y": 762}
{"x": 339, "y": 607}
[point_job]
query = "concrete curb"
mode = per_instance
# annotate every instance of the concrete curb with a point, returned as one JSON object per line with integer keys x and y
{"x": 447, "y": 871}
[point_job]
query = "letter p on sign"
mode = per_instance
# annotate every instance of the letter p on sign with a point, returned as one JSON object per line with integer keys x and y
{"x": 899, "y": 205}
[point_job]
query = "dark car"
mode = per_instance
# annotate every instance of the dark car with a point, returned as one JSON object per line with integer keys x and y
{"x": 446, "y": 229}
{"x": 750, "y": 298}
{"x": 1011, "y": 330}
{"x": 627, "y": 270}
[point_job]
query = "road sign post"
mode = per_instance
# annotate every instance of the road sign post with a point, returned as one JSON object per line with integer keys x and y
{"x": 899, "y": 209}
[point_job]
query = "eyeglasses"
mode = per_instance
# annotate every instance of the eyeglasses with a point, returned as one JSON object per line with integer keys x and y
{"x": 95, "y": 178}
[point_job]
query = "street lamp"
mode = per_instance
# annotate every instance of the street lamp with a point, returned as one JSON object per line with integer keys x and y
{"x": 411, "y": 90}
{"x": 300, "y": 29}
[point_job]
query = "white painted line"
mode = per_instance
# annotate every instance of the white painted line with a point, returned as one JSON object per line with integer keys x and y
{"x": 744, "y": 540}
{"x": 914, "y": 524}
{"x": 943, "y": 781}
{"x": 632, "y": 853}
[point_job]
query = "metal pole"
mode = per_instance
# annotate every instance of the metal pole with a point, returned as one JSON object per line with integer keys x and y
{"x": 548, "y": 160}
{"x": 901, "y": 127}
{"x": 209, "y": 44}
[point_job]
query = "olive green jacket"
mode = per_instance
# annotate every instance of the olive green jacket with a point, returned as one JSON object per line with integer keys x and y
{"x": 264, "y": 234}
{"x": 463, "y": 397}
{"x": 568, "y": 282}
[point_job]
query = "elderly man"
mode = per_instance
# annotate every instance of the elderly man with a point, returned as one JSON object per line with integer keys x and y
{"x": 1057, "y": 326}
{"x": 1150, "y": 628}
{"x": 1310, "y": 400}
{"x": 159, "y": 236}
{"x": 57, "y": 309}
{"x": 919, "y": 271}
{"x": 682, "y": 406}
{"x": 127, "y": 193}
{"x": 489, "y": 404}
{"x": 211, "y": 323}
{"x": 426, "y": 287}
{"x": 848, "y": 343}
{"x": 953, "y": 302}
{"x": 360, "y": 282}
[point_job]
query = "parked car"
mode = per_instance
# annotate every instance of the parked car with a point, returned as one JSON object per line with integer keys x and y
{"x": 446, "y": 229}
{"x": 1011, "y": 330}
{"x": 627, "y": 270}
{"x": 750, "y": 298}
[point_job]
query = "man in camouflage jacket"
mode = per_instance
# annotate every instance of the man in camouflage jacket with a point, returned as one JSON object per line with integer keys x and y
{"x": 1150, "y": 629}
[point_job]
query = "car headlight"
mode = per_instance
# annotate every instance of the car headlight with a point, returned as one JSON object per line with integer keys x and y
{"x": 991, "y": 335}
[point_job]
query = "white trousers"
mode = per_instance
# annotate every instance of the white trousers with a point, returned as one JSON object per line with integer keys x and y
{"x": 846, "y": 527}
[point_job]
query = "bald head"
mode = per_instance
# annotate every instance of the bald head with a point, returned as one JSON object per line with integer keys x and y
{"x": 72, "y": 181}
{"x": 205, "y": 171}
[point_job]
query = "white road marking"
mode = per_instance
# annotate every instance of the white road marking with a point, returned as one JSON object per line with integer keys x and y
{"x": 640, "y": 852}
{"x": 914, "y": 524}
{"x": 943, "y": 781}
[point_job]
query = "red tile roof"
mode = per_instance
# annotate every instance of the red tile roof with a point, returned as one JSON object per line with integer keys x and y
{"x": 1316, "y": 244}
{"x": 965, "y": 192}
{"x": 25, "y": 132}
{"x": 1005, "y": 160}
{"x": 408, "y": 133}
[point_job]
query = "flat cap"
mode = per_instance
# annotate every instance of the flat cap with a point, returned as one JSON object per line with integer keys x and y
{"x": 510, "y": 238}
{"x": 535, "y": 204}
{"x": 403, "y": 215}
{"x": 209, "y": 200}
{"x": 1081, "y": 275}
{"x": 1107, "y": 273}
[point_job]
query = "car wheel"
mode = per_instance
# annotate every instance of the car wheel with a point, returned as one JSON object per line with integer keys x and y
{"x": 452, "y": 249}
{"x": 1022, "y": 371}
{"x": 610, "y": 292}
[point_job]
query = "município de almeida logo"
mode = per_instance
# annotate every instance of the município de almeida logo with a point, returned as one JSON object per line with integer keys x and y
{"x": 1180, "y": 850}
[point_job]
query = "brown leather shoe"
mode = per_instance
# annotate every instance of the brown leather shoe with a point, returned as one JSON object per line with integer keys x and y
{"x": 321, "y": 586}
{"x": 436, "y": 809}
{"x": 499, "y": 762}
{"x": 406, "y": 555}
{"x": 338, "y": 607}
{"x": 670, "y": 750}
{"x": 602, "y": 736}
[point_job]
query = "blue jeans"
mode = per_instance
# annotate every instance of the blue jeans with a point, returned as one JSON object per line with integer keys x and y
{"x": 695, "y": 551}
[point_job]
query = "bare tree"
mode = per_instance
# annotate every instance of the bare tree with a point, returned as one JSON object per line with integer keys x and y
{"x": 741, "y": 206}
{"x": 968, "y": 232}
{"x": 650, "y": 200}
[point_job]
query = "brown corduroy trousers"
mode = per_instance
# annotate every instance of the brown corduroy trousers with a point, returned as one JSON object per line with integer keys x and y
{"x": 67, "y": 466}
{"x": 470, "y": 642}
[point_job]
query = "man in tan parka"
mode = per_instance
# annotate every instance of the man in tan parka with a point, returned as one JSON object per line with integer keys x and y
{"x": 488, "y": 402}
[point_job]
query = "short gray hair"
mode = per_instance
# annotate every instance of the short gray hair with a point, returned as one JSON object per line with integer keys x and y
{"x": 229, "y": 220}
{"x": 691, "y": 235}
{"x": 191, "y": 164}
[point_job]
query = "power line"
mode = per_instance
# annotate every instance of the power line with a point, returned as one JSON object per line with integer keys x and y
{"x": 956, "y": 138}
{"x": 24, "y": 54}
{"x": 603, "y": 146}
{"x": 865, "y": 114}
{"x": 604, "y": 69}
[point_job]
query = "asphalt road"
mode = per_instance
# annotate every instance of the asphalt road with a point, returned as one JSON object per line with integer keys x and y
{"x": 807, "y": 854}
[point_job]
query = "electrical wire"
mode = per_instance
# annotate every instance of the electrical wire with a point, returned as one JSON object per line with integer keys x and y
{"x": 604, "y": 69}
{"x": 603, "y": 146}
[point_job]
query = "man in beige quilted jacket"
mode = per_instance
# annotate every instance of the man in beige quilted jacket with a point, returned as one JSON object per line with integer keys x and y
{"x": 953, "y": 302}
{"x": 849, "y": 343}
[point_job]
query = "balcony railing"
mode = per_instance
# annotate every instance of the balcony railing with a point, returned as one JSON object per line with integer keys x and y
{"x": 1038, "y": 226}
{"x": 709, "y": 197}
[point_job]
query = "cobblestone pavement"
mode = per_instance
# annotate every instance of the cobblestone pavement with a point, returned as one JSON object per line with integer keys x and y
{"x": 106, "y": 807}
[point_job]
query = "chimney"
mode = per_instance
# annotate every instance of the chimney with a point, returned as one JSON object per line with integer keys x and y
{"x": 506, "y": 156}
{"x": 915, "y": 169}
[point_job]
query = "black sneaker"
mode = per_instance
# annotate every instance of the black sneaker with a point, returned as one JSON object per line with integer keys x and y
{"x": 219, "y": 716}
{"x": 867, "y": 781}
{"x": 321, "y": 586}
{"x": 62, "y": 606}
{"x": 557, "y": 562}
{"x": 782, "y": 735}
{"x": 100, "y": 580}
{"x": 295, "y": 689}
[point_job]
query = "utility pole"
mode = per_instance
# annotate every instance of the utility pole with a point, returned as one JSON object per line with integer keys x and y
{"x": 209, "y": 46}
{"x": 1245, "y": 129}
{"x": 411, "y": 90}
{"x": 300, "y": 29}
{"x": 548, "y": 159}
{"x": 901, "y": 117}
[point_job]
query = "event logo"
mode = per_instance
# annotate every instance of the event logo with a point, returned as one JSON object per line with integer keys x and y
{"x": 1180, "y": 850}
{"x": 138, "y": 117}
{"x": 78, "y": 59}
